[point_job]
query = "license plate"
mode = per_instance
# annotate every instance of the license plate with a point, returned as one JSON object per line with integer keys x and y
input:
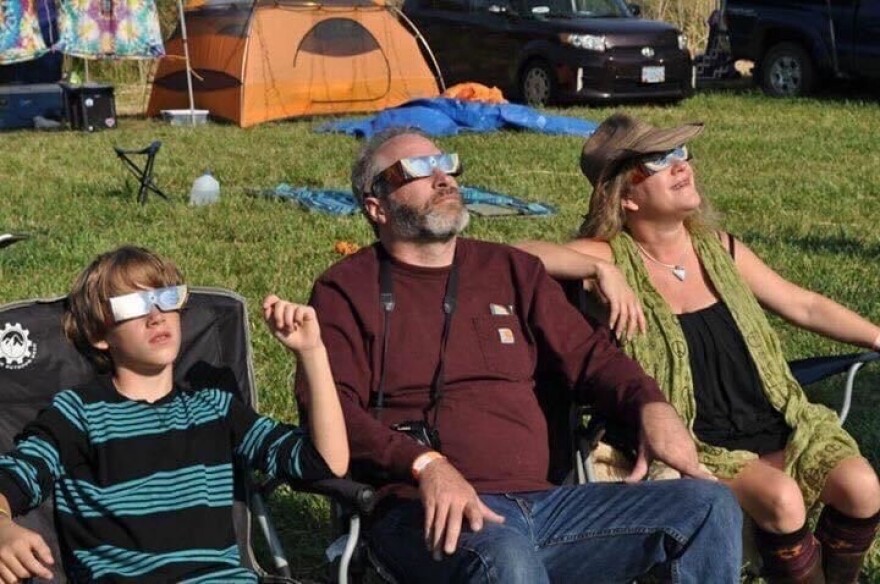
{"x": 653, "y": 74}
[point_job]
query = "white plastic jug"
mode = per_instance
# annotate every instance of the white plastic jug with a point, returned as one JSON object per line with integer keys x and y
{"x": 205, "y": 190}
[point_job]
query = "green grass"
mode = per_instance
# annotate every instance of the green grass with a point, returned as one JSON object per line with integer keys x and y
{"x": 797, "y": 180}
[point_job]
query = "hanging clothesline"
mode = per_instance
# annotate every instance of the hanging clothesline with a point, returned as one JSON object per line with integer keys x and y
{"x": 91, "y": 29}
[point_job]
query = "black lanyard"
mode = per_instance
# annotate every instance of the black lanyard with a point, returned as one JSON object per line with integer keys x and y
{"x": 386, "y": 302}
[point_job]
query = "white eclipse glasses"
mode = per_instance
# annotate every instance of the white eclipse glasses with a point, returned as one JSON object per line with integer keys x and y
{"x": 415, "y": 167}
{"x": 140, "y": 303}
{"x": 658, "y": 162}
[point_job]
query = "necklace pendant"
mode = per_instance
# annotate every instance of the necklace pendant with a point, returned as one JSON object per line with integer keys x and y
{"x": 679, "y": 272}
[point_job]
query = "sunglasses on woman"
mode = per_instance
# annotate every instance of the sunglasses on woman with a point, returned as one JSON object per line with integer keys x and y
{"x": 657, "y": 162}
{"x": 409, "y": 169}
{"x": 653, "y": 163}
{"x": 138, "y": 304}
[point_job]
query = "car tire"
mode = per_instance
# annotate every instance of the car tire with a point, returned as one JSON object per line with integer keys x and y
{"x": 787, "y": 71}
{"x": 537, "y": 84}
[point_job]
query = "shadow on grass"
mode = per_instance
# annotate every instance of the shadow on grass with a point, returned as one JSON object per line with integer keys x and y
{"x": 837, "y": 90}
{"x": 812, "y": 244}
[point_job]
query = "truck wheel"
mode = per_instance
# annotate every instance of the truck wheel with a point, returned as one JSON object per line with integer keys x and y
{"x": 537, "y": 85}
{"x": 787, "y": 71}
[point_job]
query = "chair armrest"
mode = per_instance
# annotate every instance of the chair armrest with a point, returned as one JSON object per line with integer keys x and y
{"x": 359, "y": 497}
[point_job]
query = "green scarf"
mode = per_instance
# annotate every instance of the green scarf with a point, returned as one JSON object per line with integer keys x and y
{"x": 817, "y": 443}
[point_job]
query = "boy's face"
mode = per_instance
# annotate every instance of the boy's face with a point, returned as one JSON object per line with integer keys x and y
{"x": 145, "y": 344}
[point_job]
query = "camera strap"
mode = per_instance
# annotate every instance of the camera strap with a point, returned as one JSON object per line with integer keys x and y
{"x": 387, "y": 304}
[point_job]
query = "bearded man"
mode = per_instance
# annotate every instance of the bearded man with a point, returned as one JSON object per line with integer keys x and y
{"x": 434, "y": 340}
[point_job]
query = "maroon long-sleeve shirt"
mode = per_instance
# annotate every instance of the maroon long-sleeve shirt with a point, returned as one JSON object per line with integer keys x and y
{"x": 509, "y": 311}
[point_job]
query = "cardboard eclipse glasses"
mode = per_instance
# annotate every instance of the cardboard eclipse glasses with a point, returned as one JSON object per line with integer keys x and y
{"x": 141, "y": 303}
{"x": 412, "y": 168}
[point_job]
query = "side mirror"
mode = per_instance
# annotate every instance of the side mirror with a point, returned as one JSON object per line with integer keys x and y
{"x": 635, "y": 9}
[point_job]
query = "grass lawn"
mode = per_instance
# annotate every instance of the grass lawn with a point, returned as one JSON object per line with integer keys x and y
{"x": 796, "y": 180}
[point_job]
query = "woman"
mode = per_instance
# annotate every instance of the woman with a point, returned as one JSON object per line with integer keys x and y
{"x": 702, "y": 291}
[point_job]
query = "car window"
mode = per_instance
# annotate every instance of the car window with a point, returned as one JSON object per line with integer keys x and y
{"x": 600, "y": 8}
{"x": 594, "y": 8}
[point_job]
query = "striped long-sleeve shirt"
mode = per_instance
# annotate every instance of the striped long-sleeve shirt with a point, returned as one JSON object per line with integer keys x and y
{"x": 144, "y": 491}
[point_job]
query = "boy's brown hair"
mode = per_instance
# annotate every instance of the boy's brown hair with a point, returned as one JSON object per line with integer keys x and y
{"x": 88, "y": 317}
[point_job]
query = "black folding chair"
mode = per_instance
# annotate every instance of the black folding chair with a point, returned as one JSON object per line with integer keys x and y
{"x": 144, "y": 174}
{"x": 36, "y": 361}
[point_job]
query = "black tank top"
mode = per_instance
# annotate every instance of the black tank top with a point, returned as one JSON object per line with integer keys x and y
{"x": 732, "y": 410}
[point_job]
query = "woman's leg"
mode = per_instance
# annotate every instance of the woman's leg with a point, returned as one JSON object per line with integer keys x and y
{"x": 774, "y": 502}
{"x": 848, "y": 523}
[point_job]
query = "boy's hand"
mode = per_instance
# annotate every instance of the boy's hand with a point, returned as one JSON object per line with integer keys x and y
{"x": 295, "y": 325}
{"x": 23, "y": 553}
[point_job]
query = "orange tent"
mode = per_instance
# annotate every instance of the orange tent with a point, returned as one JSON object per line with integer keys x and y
{"x": 260, "y": 60}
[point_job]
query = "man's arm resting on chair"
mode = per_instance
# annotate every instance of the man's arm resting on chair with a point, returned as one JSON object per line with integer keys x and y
{"x": 23, "y": 553}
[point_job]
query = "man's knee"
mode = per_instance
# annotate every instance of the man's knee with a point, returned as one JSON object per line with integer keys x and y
{"x": 722, "y": 511}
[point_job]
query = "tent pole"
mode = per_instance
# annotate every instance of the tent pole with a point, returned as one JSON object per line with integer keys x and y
{"x": 189, "y": 83}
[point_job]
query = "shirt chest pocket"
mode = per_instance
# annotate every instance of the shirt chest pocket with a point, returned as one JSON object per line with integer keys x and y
{"x": 504, "y": 348}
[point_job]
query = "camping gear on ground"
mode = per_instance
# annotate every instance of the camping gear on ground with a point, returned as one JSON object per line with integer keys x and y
{"x": 20, "y": 104}
{"x": 144, "y": 173}
{"x": 117, "y": 29}
{"x": 445, "y": 117}
{"x": 205, "y": 190}
{"x": 260, "y": 60}
{"x": 185, "y": 117}
{"x": 338, "y": 202}
{"x": 90, "y": 106}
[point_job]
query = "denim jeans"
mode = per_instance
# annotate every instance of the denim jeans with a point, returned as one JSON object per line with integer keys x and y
{"x": 682, "y": 530}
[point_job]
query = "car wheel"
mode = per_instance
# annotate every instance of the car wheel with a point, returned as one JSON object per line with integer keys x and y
{"x": 787, "y": 71}
{"x": 537, "y": 85}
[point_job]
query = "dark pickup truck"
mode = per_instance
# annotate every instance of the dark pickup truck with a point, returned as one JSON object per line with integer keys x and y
{"x": 796, "y": 44}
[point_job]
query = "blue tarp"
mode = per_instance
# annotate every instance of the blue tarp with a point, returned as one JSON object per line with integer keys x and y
{"x": 445, "y": 117}
{"x": 338, "y": 202}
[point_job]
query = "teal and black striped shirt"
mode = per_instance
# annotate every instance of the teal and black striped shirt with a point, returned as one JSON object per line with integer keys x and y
{"x": 144, "y": 491}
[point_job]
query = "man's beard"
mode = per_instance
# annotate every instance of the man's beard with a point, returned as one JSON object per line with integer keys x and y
{"x": 434, "y": 222}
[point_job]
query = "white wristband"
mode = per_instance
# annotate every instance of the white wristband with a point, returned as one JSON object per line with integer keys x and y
{"x": 423, "y": 460}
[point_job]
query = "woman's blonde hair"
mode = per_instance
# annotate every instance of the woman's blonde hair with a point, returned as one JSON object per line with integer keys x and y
{"x": 606, "y": 216}
{"x": 88, "y": 317}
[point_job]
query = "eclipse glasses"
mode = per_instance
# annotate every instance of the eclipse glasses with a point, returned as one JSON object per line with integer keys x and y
{"x": 415, "y": 167}
{"x": 141, "y": 303}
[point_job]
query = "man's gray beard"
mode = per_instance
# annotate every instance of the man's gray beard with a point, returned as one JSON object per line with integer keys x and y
{"x": 410, "y": 224}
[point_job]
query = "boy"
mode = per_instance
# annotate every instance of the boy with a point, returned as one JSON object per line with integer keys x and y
{"x": 142, "y": 471}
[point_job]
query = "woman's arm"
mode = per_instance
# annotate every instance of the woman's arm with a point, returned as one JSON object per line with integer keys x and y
{"x": 592, "y": 261}
{"x": 801, "y": 307}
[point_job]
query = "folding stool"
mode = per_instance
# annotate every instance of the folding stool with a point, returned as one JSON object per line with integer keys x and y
{"x": 145, "y": 174}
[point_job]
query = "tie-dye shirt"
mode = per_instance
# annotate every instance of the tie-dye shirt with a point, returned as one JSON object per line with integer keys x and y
{"x": 110, "y": 28}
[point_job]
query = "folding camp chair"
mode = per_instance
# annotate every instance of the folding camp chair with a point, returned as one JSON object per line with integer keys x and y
{"x": 36, "y": 361}
{"x": 144, "y": 174}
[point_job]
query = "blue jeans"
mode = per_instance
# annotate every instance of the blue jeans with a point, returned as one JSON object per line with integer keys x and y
{"x": 682, "y": 530}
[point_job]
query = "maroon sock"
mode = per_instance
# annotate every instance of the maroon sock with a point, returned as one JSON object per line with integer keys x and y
{"x": 790, "y": 557}
{"x": 845, "y": 541}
